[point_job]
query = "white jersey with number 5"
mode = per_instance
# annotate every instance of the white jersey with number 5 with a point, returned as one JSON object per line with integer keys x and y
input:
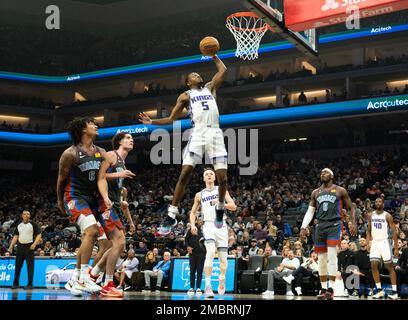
{"x": 379, "y": 226}
{"x": 203, "y": 109}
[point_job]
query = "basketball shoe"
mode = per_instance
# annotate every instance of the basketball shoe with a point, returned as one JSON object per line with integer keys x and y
{"x": 209, "y": 292}
{"x": 110, "y": 291}
{"x": 169, "y": 222}
{"x": 87, "y": 286}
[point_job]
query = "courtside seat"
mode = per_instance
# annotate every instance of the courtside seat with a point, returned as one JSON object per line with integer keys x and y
{"x": 248, "y": 278}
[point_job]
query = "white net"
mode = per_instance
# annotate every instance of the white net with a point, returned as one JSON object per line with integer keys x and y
{"x": 248, "y": 30}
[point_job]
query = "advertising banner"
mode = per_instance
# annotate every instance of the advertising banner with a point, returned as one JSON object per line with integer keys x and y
{"x": 48, "y": 273}
{"x": 310, "y": 14}
{"x": 181, "y": 275}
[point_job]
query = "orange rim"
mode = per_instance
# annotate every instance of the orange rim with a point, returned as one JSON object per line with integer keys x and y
{"x": 247, "y": 14}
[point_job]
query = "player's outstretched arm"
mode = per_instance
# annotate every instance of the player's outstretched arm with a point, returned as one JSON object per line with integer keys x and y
{"x": 110, "y": 159}
{"x": 394, "y": 235}
{"x": 309, "y": 214}
{"x": 193, "y": 213}
{"x": 229, "y": 202}
{"x": 182, "y": 102}
{"x": 219, "y": 76}
{"x": 349, "y": 205}
{"x": 66, "y": 161}
{"x": 368, "y": 233}
{"x": 125, "y": 208}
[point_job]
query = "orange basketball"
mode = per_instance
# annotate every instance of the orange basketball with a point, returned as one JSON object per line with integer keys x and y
{"x": 209, "y": 46}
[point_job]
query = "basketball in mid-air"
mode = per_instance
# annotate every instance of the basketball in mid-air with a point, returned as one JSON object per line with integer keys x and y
{"x": 209, "y": 46}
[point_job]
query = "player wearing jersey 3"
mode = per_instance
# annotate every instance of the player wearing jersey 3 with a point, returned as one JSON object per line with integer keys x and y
{"x": 110, "y": 207}
{"x": 216, "y": 239}
{"x": 206, "y": 138}
{"x": 380, "y": 222}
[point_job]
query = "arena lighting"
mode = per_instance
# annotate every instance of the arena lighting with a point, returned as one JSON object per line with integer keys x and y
{"x": 308, "y": 66}
{"x": 366, "y": 107}
{"x": 302, "y": 139}
{"x": 13, "y": 118}
{"x": 79, "y": 97}
{"x": 171, "y": 63}
{"x": 312, "y": 93}
{"x": 100, "y": 119}
{"x": 398, "y": 83}
{"x": 265, "y": 99}
{"x": 151, "y": 113}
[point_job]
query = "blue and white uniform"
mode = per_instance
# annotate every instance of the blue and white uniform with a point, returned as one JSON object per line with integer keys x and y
{"x": 380, "y": 246}
{"x": 206, "y": 137}
{"x": 209, "y": 199}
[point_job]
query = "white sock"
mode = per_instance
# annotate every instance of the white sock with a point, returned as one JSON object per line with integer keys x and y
{"x": 84, "y": 272}
{"x": 324, "y": 285}
{"x": 331, "y": 283}
{"x": 75, "y": 275}
{"x": 108, "y": 278}
{"x": 95, "y": 271}
{"x": 208, "y": 281}
{"x": 378, "y": 285}
{"x": 173, "y": 210}
{"x": 394, "y": 287}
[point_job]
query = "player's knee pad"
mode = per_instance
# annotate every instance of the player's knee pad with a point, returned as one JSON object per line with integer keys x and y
{"x": 88, "y": 224}
{"x": 209, "y": 257}
{"x": 332, "y": 260}
{"x": 222, "y": 255}
{"x": 322, "y": 263}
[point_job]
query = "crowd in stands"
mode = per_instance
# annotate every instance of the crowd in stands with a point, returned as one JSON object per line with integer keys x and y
{"x": 156, "y": 89}
{"x": 263, "y": 201}
{"x": 30, "y": 49}
{"x": 29, "y": 128}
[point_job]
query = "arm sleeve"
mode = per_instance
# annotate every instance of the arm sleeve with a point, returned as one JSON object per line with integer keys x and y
{"x": 308, "y": 216}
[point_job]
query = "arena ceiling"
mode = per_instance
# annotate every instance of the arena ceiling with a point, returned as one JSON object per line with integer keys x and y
{"x": 102, "y": 15}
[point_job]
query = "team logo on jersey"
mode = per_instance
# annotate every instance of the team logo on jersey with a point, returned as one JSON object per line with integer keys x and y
{"x": 333, "y": 190}
{"x": 97, "y": 155}
{"x": 71, "y": 204}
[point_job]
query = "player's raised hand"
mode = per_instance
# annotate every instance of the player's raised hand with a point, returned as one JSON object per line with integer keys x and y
{"x": 302, "y": 233}
{"x": 144, "y": 118}
{"x": 126, "y": 174}
{"x": 194, "y": 230}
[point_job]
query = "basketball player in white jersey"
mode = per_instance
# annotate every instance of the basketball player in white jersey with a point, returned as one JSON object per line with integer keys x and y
{"x": 380, "y": 222}
{"x": 216, "y": 239}
{"x": 206, "y": 137}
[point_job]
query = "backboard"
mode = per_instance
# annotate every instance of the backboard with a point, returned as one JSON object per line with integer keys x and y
{"x": 305, "y": 41}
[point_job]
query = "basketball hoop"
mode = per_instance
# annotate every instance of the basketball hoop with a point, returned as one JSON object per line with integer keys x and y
{"x": 248, "y": 30}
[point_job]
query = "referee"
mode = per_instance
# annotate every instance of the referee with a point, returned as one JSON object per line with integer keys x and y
{"x": 27, "y": 236}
